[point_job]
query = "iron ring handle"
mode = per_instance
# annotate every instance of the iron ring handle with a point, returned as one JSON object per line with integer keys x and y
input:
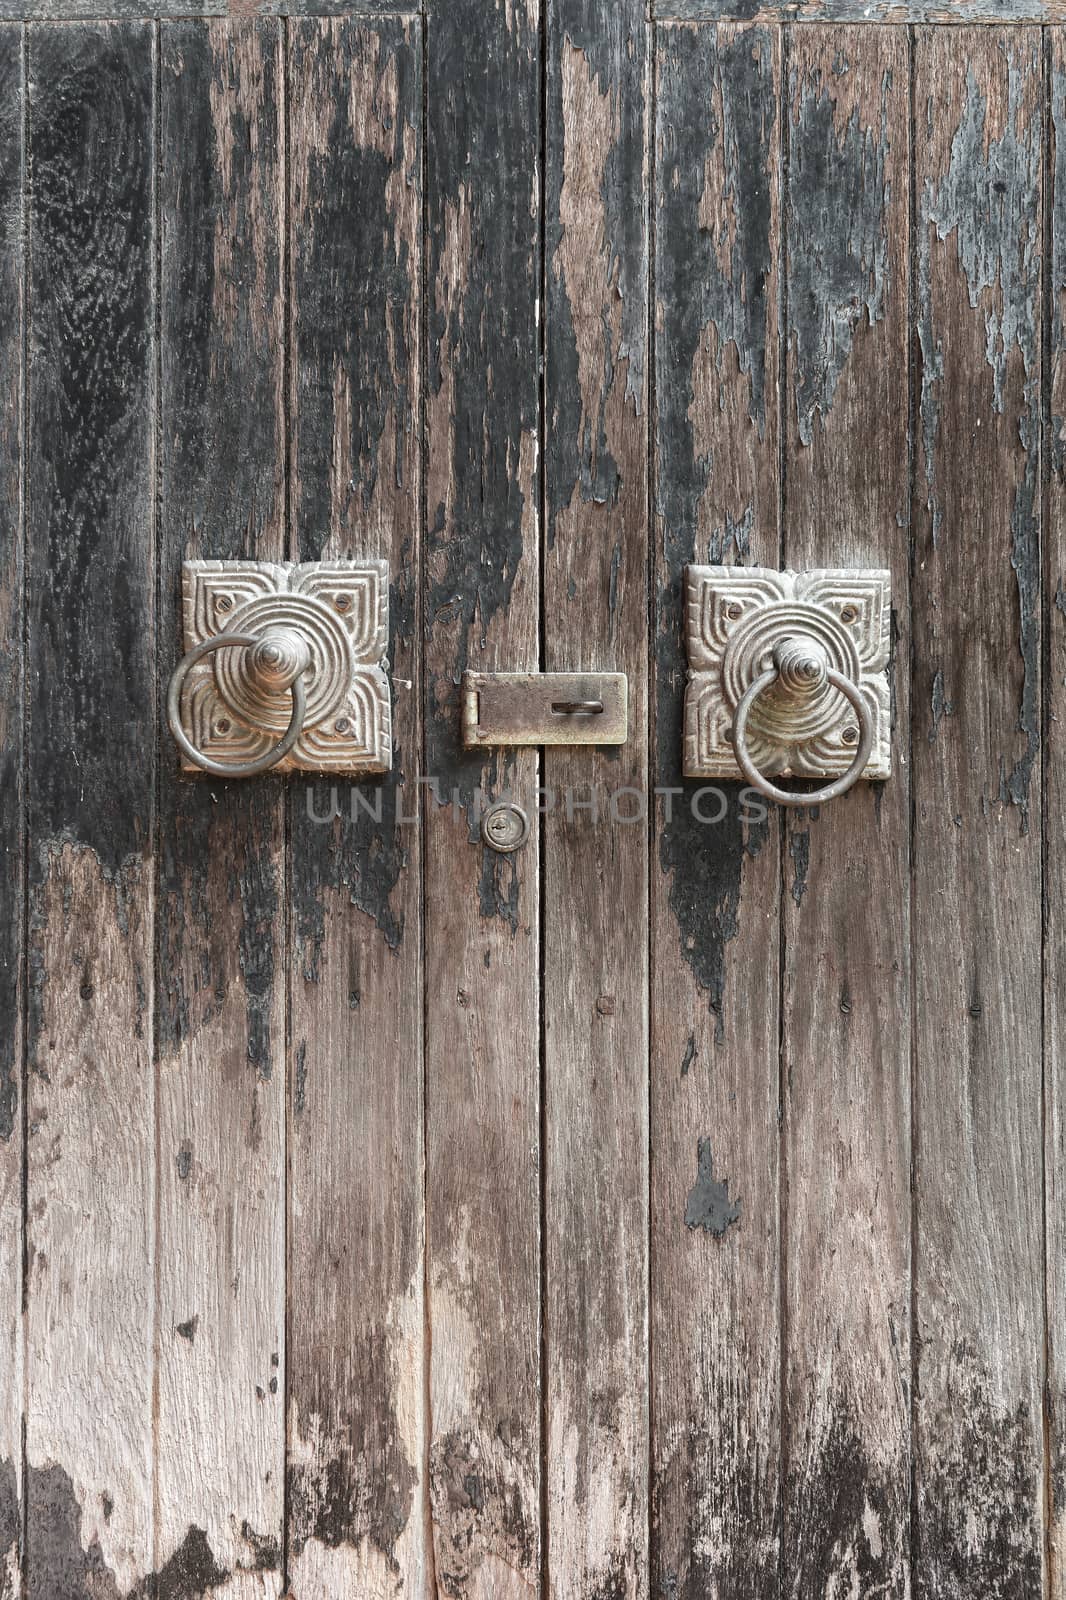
{"x": 790, "y": 797}
{"x": 220, "y": 769}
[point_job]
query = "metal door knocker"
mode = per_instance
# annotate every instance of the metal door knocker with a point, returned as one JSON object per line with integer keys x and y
{"x": 787, "y": 677}
{"x": 284, "y": 668}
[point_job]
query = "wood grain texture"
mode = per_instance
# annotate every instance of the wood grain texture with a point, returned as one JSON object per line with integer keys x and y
{"x": 90, "y": 777}
{"x": 483, "y": 491}
{"x": 133, "y": 10}
{"x": 12, "y": 789}
{"x": 1054, "y": 611}
{"x": 221, "y": 977}
{"x": 846, "y": 982}
{"x": 596, "y": 865}
{"x": 715, "y": 883}
{"x": 891, "y": 13}
{"x": 979, "y": 1455}
{"x": 355, "y": 1260}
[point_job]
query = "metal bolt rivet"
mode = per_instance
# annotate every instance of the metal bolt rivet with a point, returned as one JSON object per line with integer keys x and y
{"x": 341, "y": 725}
{"x": 850, "y": 735}
{"x": 224, "y": 602}
{"x": 849, "y": 614}
{"x": 734, "y": 610}
{"x": 504, "y": 826}
{"x": 222, "y": 727}
{"x": 342, "y": 602}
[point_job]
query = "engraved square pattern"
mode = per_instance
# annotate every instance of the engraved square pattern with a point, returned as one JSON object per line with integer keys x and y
{"x": 341, "y": 609}
{"x": 733, "y": 618}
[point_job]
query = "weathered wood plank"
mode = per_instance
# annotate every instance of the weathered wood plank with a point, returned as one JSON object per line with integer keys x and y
{"x": 1054, "y": 610}
{"x": 12, "y": 834}
{"x": 91, "y": 776}
{"x": 482, "y": 909}
{"x": 891, "y": 13}
{"x": 715, "y": 885}
{"x": 356, "y": 1326}
{"x": 977, "y": 777}
{"x": 596, "y": 865}
{"x": 220, "y": 982}
{"x": 133, "y": 10}
{"x": 846, "y": 1017}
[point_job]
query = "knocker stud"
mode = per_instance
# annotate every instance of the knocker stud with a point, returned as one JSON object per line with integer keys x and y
{"x": 801, "y": 667}
{"x": 276, "y": 662}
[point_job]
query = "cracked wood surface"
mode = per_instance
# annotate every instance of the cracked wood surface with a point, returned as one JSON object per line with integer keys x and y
{"x": 595, "y": 1147}
{"x": 846, "y": 982}
{"x": 661, "y": 1212}
{"x": 715, "y": 1425}
{"x": 978, "y": 1269}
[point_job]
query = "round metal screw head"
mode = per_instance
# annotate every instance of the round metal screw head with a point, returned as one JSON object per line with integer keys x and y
{"x": 343, "y": 602}
{"x": 734, "y": 610}
{"x": 849, "y": 613}
{"x": 222, "y": 728}
{"x": 850, "y": 735}
{"x": 504, "y": 827}
{"x": 224, "y": 602}
{"x": 341, "y": 725}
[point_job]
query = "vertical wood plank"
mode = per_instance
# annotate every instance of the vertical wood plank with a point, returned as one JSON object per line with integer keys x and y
{"x": 220, "y": 982}
{"x": 91, "y": 777}
{"x": 482, "y": 909}
{"x": 1054, "y": 807}
{"x": 596, "y": 864}
{"x": 12, "y": 841}
{"x": 846, "y": 1016}
{"x": 714, "y": 891}
{"x": 356, "y": 1327}
{"x": 976, "y": 777}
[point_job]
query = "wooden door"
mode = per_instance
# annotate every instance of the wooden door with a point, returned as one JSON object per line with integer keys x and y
{"x": 673, "y": 1209}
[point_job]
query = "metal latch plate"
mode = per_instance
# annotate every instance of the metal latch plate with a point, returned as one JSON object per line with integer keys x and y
{"x": 530, "y": 708}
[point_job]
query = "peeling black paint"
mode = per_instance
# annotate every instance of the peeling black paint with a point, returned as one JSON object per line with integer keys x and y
{"x": 355, "y": 286}
{"x": 691, "y": 1052}
{"x": 10, "y": 1513}
{"x": 983, "y": 1472}
{"x": 89, "y": 559}
{"x": 483, "y": 119}
{"x": 709, "y": 1206}
{"x": 187, "y": 1330}
{"x": 11, "y": 674}
{"x": 799, "y": 848}
{"x": 851, "y": 1511}
{"x": 988, "y": 204}
{"x": 191, "y": 1572}
{"x": 742, "y": 1561}
{"x": 612, "y": 41}
{"x": 711, "y": 90}
{"x": 837, "y": 276}
{"x": 942, "y": 706}
{"x": 360, "y": 1485}
{"x": 477, "y": 1509}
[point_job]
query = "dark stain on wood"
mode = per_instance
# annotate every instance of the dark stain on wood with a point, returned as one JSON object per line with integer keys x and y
{"x": 89, "y": 576}
{"x": 11, "y": 576}
{"x": 987, "y": 202}
{"x": 709, "y": 1205}
{"x": 711, "y": 285}
{"x": 837, "y": 276}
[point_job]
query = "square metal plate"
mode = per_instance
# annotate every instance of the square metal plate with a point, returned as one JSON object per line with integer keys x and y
{"x": 733, "y": 618}
{"x": 342, "y": 609}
